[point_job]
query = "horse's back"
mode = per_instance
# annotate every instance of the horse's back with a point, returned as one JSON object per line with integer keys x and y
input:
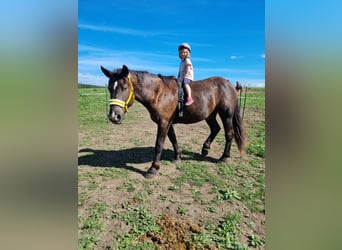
{"x": 213, "y": 84}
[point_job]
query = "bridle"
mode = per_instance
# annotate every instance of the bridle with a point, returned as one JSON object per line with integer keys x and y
{"x": 123, "y": 104}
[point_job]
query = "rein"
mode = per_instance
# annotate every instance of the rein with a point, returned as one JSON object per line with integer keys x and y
{"x": 123, "y": 104}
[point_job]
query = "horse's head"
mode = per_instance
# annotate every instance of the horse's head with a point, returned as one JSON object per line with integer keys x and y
{"x": 120, "y": 87}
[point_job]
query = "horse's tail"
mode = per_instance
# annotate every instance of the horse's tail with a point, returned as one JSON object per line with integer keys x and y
{"x": 239, "y": 133}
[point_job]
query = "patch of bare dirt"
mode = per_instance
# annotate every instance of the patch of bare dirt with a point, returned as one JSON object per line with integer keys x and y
{"x": 174, "y": 234}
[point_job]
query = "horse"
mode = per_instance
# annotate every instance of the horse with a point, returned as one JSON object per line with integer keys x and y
{"x": 159, "y": 95}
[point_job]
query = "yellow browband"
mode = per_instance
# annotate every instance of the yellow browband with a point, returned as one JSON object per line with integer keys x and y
{"x": 123, "y": 104}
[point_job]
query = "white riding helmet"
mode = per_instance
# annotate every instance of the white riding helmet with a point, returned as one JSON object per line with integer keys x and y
{"x": 184, "y": 45}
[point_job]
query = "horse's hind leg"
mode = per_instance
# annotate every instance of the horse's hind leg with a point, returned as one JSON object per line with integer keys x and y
{"x": 172, "y": 136}
{"x": 228, "y": 133}
{"x": 214, "y": 129}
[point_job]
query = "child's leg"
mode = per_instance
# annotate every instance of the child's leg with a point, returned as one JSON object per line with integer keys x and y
{"x": 189, "y": 99}
{"x": 187, "y": 89}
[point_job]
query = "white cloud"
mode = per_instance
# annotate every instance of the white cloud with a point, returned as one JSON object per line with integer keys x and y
{"x": 254, "y": 83}
{"x": 118, "y": 30}
{"x": 257, "y": 84}
{"x": 82, "y": 47}
{"x": 233, "y": 57}
{"x": 87, "y": 78}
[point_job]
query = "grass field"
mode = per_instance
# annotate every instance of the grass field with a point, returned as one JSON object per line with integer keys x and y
{"x": 195, "y": 204}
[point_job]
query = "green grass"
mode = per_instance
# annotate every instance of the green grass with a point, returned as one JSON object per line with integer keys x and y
{"x": 92, "y": 107}
{"x": 141, "y": 222}
{"x": 196, "y": 174}
{"x": 225, "y": 235}
{"x": 92, "y": 226}
{"x": 256, "y": 136}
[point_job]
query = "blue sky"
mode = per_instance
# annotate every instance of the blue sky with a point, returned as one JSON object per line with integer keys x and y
{"x": 227, "y": 38}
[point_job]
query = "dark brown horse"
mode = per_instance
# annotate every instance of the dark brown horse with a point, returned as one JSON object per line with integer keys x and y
{"x": 159, "y": 94}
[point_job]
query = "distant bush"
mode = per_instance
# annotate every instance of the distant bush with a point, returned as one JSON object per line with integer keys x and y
{"x": 84, "y": 86}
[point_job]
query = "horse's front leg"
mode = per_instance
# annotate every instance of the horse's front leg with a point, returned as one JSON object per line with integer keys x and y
{"x": 160, "y": 140}
{"x": 172, "y": 136}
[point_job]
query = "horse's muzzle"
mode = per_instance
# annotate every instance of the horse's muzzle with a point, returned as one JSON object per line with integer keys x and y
{"x": 116, "y": 114}
{"x": 115, "y": 117}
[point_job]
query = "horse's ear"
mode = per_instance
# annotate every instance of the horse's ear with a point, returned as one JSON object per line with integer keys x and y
{"x": 125, "y": 70}
{"x": 106, "y": 72}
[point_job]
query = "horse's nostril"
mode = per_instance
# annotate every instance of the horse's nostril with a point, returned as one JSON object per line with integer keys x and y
{"x": 118, "y": 117}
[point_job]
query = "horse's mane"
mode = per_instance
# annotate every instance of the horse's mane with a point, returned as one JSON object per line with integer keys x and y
{"x": 166, "y": 79}
{"x": 141, "y": 74}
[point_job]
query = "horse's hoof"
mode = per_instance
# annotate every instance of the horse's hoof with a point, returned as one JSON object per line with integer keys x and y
{"x": 150, "y": 173}
{"x": 205, "y": 152}
{"x": 222, "y": 160}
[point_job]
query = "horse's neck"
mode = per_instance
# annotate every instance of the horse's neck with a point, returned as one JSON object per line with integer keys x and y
{"x": 145, "y": 86}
